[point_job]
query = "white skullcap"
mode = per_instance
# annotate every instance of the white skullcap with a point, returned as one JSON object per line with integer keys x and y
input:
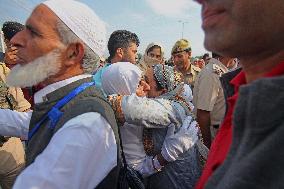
{"x": 82, "y": 21}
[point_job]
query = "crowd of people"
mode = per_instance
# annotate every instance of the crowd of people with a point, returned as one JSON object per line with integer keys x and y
{"x": 71, "y": 118}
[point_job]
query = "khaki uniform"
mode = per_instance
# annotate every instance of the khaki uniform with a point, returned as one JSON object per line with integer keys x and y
{"x": 191, "y": 74}
{"x": 15, "y": 95}
{"x": 12, "y": 156}
{"x": 208, "y": 93}
{"x": 12, "y": 162}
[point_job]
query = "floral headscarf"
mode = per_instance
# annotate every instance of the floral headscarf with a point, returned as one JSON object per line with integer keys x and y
{"x": 166, "y": 76}
{"x": 170, "y": 79}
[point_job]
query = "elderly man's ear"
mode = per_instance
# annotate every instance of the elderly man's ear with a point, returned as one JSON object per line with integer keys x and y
{"x": 74, "y": 54}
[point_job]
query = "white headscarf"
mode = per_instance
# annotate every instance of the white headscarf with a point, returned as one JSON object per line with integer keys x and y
{"x": 147, "y": 61}
{"x": 121, "y": 78}
{"x": 83, "y": 21}
{"x": 152, "y": 61}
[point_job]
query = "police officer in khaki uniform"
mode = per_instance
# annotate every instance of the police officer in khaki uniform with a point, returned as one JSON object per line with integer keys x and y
{"x": 12, "y": 155}
{"x": 208, "y": 97}
{"x": 181, "y": 54}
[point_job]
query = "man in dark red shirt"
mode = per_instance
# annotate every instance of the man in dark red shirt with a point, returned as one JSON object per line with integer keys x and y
{"x": 248, "y": 150}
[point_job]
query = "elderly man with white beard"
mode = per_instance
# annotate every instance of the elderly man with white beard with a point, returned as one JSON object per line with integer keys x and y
{"x": 72, "y": 131}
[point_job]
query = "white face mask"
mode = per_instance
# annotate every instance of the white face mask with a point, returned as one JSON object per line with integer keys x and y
{"x": 36, "y": 71}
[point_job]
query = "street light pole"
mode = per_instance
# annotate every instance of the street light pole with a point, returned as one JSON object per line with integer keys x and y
{"x": 182, "y": 22}
{"x": 182, "y": 30}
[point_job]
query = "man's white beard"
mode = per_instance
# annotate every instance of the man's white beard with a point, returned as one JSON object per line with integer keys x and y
{"x": 36, "y": 71}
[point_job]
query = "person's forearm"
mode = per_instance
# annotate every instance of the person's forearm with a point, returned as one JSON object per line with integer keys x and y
{"x": 203, "y": 119}
{"x": 148, "y": 168}
{"x": 13, "y": 123}
{"x": 149, "y": 113}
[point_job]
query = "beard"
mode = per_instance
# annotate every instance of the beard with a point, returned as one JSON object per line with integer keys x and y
{"x": 36, "y": 71}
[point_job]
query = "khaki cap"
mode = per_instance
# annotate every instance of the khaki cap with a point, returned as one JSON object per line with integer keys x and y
{"x": 180, "y": 46}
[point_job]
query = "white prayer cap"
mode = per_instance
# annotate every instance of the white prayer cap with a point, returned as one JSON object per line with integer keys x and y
{"x": 83, "y": 21}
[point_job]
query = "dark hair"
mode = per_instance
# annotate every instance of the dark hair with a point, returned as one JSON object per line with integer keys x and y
{"x": 215, "y": 55}
{"x": 205, "y": 56}
{"x": 121, "y": 39}
{"x": 153, "y": 47}
{"x": 11, "y": 28}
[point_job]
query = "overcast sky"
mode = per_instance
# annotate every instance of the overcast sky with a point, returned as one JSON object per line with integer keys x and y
{"x": 152, "y": 20}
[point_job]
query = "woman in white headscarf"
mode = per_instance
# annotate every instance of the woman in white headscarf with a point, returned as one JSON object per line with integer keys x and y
{"x": 126, "y": 78}
{"x": 154, "y": 54}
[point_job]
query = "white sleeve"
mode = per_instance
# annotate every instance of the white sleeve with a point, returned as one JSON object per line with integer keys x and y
{"x": 13, "y": 123}
{"x": 79, "y": 155}
{"x": 150, "y": 113}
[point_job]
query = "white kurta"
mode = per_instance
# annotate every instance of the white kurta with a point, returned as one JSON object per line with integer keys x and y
{"x": 79, "y": 155}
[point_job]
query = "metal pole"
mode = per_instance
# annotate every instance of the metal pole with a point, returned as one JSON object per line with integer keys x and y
{"x": 182, "y": 22}
{"x": 182, "y": 30}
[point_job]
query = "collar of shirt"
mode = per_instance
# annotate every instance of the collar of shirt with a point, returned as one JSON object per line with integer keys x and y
{"x": 276, "y": 71}
{"x": 194, "y": 68}
{"x": 222, "y": 67}
{"x": 240, "y": 79}
{"x": 38, "y": 97}
{"x": 191, "y": 70}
